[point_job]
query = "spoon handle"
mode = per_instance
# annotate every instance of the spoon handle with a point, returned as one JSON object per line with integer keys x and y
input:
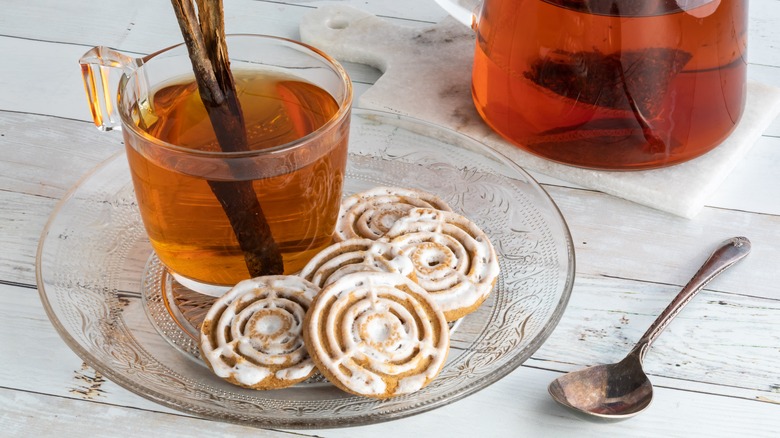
{"x": 730, "y": 252}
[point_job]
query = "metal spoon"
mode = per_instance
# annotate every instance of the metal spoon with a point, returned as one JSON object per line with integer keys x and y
{"x": 623, "y": 390}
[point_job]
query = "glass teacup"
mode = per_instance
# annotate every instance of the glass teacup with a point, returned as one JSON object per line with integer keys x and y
{"x": 204, "y": 209}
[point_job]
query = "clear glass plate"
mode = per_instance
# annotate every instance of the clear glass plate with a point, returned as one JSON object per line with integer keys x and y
{"x": 93, "y": 253}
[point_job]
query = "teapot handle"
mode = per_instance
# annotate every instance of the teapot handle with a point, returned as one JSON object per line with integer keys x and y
{"x": 464, "y": 11}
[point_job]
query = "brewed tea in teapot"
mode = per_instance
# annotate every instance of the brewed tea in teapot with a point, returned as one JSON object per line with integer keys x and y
{"x": 611, "y": 84}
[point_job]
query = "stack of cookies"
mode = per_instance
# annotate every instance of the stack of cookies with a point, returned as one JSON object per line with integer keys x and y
{"x": 370, "y": 312}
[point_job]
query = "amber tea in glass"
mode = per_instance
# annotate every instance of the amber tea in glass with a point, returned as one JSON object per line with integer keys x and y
{"x": 612, "y": 84}
{"x": 296, "y": 104}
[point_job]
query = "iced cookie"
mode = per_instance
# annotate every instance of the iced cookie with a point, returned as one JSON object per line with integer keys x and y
{"x": 371, "y": 213}
{"x": 252, "y": 337}
{"x": 453, "y": 258}
{"x": 376, "y": 334}
{"x": 355, "y": 255}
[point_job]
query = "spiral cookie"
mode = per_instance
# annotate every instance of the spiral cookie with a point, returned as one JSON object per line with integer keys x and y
{"x": 251, "y": 336}
{"x": 355, "y": 255}
{"x": 371, "y": 213}
{"x": 376, "y": 334}
{"x": 453, "y": 259}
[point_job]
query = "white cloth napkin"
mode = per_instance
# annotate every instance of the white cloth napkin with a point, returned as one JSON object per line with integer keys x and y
{"x": 427, "y": 73}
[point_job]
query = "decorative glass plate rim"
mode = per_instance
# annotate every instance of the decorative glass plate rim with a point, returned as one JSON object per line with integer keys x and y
{"x": 466, "y": 390}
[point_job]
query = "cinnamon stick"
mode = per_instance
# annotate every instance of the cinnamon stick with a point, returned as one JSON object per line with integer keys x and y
{"x": 204, "y": 36}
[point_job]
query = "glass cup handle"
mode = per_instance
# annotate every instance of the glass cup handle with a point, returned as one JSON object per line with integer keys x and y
{"x": 464, "y": 11}
{"x": 101, "y": 70}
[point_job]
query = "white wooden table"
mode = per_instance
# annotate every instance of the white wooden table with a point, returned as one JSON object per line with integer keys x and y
{"x": 716, "y": 369}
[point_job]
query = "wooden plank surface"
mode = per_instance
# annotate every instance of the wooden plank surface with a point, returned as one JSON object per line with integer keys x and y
{"x": 715, "y": 368}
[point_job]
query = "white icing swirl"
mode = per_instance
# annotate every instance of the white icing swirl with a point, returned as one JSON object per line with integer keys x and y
{"x": 355, "y": 255}
{"x": 252, "y": 335}
{"x": 378, "y": 334}
{"x": 453, "y": 258}
{"x": 371, "y": 213}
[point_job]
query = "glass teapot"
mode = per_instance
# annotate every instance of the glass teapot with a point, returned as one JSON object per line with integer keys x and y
{"x": 609, "y": 84}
